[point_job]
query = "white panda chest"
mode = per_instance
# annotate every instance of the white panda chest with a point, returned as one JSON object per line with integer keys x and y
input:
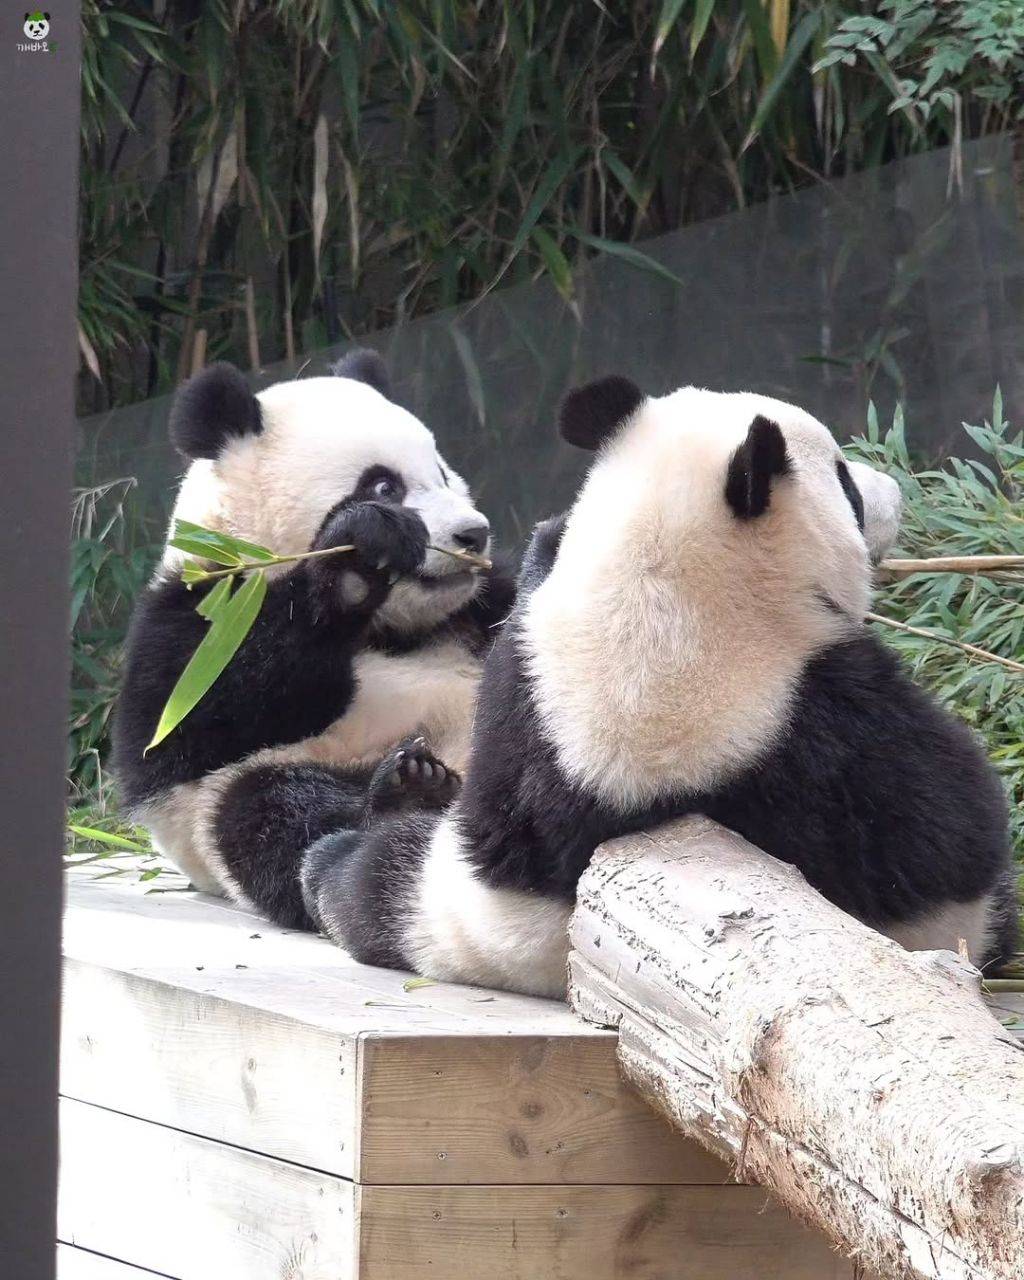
{"x": 430, "y": 691}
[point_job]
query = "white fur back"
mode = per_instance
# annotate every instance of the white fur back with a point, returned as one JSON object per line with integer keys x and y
{"x": 666, "y": 643}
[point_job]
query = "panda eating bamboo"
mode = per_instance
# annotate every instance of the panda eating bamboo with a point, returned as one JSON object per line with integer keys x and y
{"x": 350, "y": 654}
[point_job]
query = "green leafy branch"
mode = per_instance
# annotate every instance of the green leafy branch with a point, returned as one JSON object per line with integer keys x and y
{"x": 230, "y": 613}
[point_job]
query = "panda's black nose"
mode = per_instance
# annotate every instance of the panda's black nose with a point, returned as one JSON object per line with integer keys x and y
{"x": 472, "y": 537}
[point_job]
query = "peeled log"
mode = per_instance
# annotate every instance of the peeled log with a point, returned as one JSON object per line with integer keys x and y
{"x": 867, "y": 1086}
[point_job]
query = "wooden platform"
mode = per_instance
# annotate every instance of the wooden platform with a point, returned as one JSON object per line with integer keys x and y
{"x": 242, "y": 1103}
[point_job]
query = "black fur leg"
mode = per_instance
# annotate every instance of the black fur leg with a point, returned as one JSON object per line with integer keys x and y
{"x": 410, "y": 778}
{"x": 358, "y": 887}
{"x": 269, "y": 815}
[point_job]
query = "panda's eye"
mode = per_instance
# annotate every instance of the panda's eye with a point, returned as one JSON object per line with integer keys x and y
{"x": 385, "y": 488}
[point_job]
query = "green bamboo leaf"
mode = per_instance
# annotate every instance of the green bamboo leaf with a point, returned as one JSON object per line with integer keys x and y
{"x": 226, "y": 541}
{"x": 415, "y": 984}
{"x": 757, "y": 21}
{"x": 670, "y": 11}
{"x": 129, "y": 20}
{"x": 548, "y": 185}
{"x": 216, "y": 599}
{"x": 191, "y": 573}
{"x": 555, "y": 261}
{"x": 206, "y": 551}
{"x": 799, "y": 41}
{"x": 628, "y": 253}
{"x": 515, "y": 114}
{"x": 701, "y": 18}
{"x": 625, "y": 176}
{"x": 220, "y": 644}
{"x": 107, "y": 837}
{"x": 474, "y": 381}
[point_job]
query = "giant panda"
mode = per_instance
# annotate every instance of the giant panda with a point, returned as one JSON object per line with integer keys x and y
{"x": 689, "y": 637}
{"x": 350, "y": 654}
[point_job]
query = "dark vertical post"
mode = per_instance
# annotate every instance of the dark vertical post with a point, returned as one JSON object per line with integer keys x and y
{"x": 39, "y": 107}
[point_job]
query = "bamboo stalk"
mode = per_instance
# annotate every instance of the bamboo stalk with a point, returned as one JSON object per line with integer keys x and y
{"x": 962, "y": 645}
{"x": 209, "y": 575}
{"x": 951, "y": 564}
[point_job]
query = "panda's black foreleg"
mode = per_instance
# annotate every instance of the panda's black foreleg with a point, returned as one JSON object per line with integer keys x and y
{"x": 269, "y": 814}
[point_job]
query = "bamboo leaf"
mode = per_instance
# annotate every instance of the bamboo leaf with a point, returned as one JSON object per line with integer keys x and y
{"x": 215, "y": 599}
{"x": 319, "y": 187}
{"x": 555, "y": 261}
{"x": 757, "y": 21}
{"x": 89, "y": 353}
{"x": 701, "y": 18}
{"x": 625, "y": 176}
{"x": 224, "y": 541}
{"x": 206, "y": 551}
{"x": 228, "y": 629}
{"x": 474, "y": 382}
{"x": 670, "y": 11}
{"x": 802, "y": 37}
{"x": 108, "y": 837}
{"x": 628, "y": 253}
{"x": 549, "y": 184}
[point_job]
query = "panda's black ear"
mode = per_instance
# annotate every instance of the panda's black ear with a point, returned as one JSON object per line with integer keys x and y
{"x": 753, "y": 467}
{"x": 213, "y": 407}
{"x": 363, "y": 365}
{"x": 594, "y": 412}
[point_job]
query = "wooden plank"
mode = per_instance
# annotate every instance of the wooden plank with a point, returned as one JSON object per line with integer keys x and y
{"x": 596, "y": 1233}
{"x": 186, "y": 1011}
{"x": 209, "y": 946}
{"x": 525, "y": 1109}
{"x": 194, "y": 1209}
{"x": 212, "y": 1067}
{"x": 79, "y": 1264}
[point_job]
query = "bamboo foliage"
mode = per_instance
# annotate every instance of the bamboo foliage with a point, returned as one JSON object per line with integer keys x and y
{"x": 265, "y": 178}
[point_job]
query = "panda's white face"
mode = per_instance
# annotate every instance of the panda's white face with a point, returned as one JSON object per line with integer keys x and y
{"x": 669, "y": 637}
{"x": 321, "y": 440}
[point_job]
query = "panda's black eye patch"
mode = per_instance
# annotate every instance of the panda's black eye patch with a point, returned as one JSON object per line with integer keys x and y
{"x": 852, "y": 492}
{"x": 379, "y": 484}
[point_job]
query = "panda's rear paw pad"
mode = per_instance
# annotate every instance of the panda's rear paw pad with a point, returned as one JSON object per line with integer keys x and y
{"x": 412, "y": 778}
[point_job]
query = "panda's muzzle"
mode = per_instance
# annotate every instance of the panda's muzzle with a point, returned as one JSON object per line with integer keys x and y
{"x": 472, "y": 536}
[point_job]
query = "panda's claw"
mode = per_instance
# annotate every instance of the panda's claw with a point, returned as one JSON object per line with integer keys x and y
{"x": 411, "y": 778}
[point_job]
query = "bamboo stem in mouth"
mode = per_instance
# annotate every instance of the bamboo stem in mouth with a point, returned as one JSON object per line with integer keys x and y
{"x": 209, "y": 575}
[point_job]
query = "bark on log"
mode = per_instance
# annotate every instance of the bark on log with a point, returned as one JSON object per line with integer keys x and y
{"x": 867, "y": 1086}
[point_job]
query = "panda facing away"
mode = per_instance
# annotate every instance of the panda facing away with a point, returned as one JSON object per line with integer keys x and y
{"x": 689, "y": 637}
{"x": 349, "y": 655}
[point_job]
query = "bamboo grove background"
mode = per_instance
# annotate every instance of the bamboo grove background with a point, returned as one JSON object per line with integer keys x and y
{"x": 263, "y": 179}
{"x": 260, "y": 179}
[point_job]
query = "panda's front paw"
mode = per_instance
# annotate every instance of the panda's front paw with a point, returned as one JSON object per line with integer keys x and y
{"x": 409, "y": 778}
{"x": 388, "y": 542}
